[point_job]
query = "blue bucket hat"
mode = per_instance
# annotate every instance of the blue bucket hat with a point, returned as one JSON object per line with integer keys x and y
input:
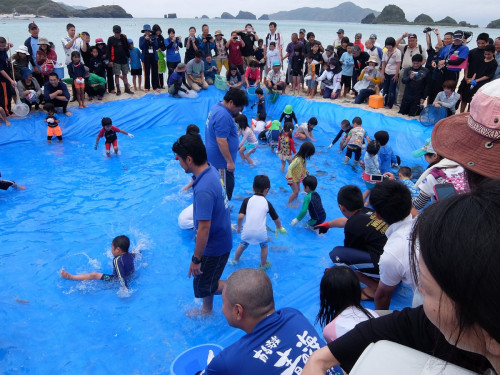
{"x": 25, "y": 72}
{"x": 146, "y": 27}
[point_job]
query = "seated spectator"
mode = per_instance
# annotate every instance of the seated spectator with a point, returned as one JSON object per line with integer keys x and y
{"x": 415, "y": 81}
{"x": 276, "y": 342}
{"x": 57, "y": 93}
{"x": 29, "y": 89}
{"x": 233, "y": 77}
{"x": 368, "y": 81}
{"x": 392, "y": 203}
{"x": 364, "y": 237}
{"x": 210, "y": 70}
{"x": 360, "y": 60}
{"x": 340, "y": 303}
{"x": 94, "y": 85}
{"x": 196, "y": 72}
{"x": 447, "y": 98}
{"x": 275, "y": 79}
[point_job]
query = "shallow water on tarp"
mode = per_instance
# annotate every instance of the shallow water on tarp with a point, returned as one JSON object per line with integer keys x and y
{"x": 76, "y": 200}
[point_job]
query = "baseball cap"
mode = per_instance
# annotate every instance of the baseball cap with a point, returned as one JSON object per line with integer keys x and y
{"x": 276, "y": 63}
{"x": 411, "y": 35}
{"x": 459, "y": 34}
{"x": 99, "y": 41}
{"x": 472, "y": 139}
{"x": 340, "y": 31}
{"x": 329, "y": 48}
{"x": 426, "y": 149}
{"x": 373, "y": 36}
{"x": 302, "y": 31}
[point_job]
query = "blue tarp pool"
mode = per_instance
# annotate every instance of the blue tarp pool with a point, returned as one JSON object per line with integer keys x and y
{"x": 76, "y": 200}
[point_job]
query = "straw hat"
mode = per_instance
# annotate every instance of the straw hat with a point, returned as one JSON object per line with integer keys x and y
{"x": 23, "y": 49}
{"x": 218, "y": 32}
{"x": 43, "y": 40}
{"x": 373, "y": 59}
{"x": 473, "y": 139}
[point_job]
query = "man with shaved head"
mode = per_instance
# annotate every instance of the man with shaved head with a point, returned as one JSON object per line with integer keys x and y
{"x": 276, "y": 342}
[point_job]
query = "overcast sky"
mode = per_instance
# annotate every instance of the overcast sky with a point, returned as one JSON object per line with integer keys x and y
{"x": 480, "y": 13}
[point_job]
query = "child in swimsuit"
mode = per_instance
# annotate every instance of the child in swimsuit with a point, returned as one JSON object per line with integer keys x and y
{"x": 109, "y": 132}
{"x": 52, "y": 123}
{"x": 297, "y": 169}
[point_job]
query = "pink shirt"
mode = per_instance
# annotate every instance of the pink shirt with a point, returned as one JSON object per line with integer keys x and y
{"x": 254, "y": 76}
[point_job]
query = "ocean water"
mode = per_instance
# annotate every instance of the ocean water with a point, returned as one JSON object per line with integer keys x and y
{"x": 55, "y": 29}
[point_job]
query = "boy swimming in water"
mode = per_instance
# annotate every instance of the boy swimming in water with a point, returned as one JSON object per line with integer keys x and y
{"x": 123, "y": 264}
{"x": 109, "y": 132}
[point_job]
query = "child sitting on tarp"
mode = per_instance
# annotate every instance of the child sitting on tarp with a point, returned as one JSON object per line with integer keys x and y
{"x": 305, "y": 131}
{"x": 312, "y": 203}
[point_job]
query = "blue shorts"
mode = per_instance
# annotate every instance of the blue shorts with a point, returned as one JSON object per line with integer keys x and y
{"x": 244, "y": 245}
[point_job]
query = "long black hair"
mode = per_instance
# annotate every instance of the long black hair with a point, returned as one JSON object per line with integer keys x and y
{"x": 339, "y": 289}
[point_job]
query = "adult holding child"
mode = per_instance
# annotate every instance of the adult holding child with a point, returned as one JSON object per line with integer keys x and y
{"x": 45, "y": 58}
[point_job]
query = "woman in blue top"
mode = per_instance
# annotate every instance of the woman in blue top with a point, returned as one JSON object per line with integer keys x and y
{"x": 172, "y": 45}
{"x": 148, "y": 43}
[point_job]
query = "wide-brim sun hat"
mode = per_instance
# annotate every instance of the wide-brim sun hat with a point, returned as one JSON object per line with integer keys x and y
{"x": 181, "y": 67}
{"x": 43, "y": 40}
{"x": 146, "y": 27}
{"x": 372, "y": 59}
{"x": 218, "y": 32}
{"x": 288, "y": 109}
{"x": 23, "y": 49}
{"x": 473, "y": 139}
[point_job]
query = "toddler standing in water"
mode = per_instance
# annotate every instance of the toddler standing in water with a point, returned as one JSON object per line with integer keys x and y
{"x": 354, "y": 141}
{"x": 286, "y": 145}
{"x": 52, "y": 123}
{"x": 297, "y": 169}
{"x": 249, "y": 142}
{"x": 109, "y": 132}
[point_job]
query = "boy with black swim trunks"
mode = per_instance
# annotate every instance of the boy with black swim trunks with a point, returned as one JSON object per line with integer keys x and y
{"x": 109, "y": 132}
{"x": 123, "y": 264}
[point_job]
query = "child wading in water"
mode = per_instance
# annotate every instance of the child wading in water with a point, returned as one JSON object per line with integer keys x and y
{"x": 76, "y": 71}
{"x": 354, "y": 141}
{"x": 52, "y": 123}
{"x": 286, "y": 146}
{"x": 312, "y": 203}
{"x": 254, "y": 231}
{"x": 297, "y": 169}
{"x": 123, "y": 264}
{"x": 249, "y": 142}
{"x": 109, "y": 132}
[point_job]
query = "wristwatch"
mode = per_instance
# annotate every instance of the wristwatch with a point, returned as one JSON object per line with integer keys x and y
{"x": 195, "y": 260}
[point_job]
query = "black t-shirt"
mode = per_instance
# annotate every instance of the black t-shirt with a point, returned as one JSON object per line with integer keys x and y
{"x": 485, "y": 69}
{"x": 476, "y": 58}
{"x": 319, "y": 58}
{"x": 409, "y": 327}
{"x": 190, "y": 51}
{"x": 249, "y": 40}
{"x": 86, "y": 56}
{"x": 363, "y": 231}
{"x": 118, "y": 50}
{"x": 360, "y": 61}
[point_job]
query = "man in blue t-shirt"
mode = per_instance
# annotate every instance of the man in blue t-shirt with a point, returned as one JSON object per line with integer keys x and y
{"x": 221, "y": 136}
{"x": 452, "y": 57}
{"x": 276, "y": 342}
{"x": 212, "y": 221}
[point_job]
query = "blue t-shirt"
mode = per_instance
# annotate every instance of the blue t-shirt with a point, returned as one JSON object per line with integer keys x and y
{"x": 279, "y": 344}
{"x": 385, "y": 158}
{"x": 220, "y": 124}
{"x": 176, "y": 77}
{"x": 213, "y": 72}
{"x": 347, "y": 61}
{"x": 210, "y": 203}
{"x": 123, "y": 267}
{"x": 173, "y": 54}
{"x": 411, "y": 186}
{"x": 459, "y": 52}
{"x": 135, "y": 59}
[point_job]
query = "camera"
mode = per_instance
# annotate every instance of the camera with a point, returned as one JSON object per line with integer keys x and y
{"x": 467, "y": 35}
{"x": 427, "y": 29}
{"x": 235, "y": 38}
{"x": 209, "y": 37}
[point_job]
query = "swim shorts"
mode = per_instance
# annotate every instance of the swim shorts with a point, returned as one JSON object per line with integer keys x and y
{"x": 250, "y": 146}
{"x": 245, "y": 244}
{"x": 207, "y": 283}
{"x": 108, "y": 145}
{"x": 79, "y": 85}
{"x": 54, "y": 131}
{"x": 136, "y": 72}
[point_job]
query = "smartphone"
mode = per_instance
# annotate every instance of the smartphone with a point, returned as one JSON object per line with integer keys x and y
{"x": 442, "y": 191}
{"x": 376, "y": 178}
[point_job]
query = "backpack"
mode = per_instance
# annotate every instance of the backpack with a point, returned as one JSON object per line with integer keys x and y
{"x": 277, "y": 38}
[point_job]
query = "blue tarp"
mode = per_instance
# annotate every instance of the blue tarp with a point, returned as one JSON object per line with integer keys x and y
{"x": 76, "y": 200}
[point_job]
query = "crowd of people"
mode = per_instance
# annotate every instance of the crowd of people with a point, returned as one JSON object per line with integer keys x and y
{"x": 444, "y": 246}
{"x": 406, "y": 73}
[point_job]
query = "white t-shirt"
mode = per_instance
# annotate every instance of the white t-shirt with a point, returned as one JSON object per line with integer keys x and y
{"x": 260, "y": 126}
{"x": 255, "y": 210}
{"x": 392, "y": 61}
{"x": 394, "y": 263}
{"x": 77, "y": 46}
{"x": 346, "y": 321}
{"x": 276, "y": 37}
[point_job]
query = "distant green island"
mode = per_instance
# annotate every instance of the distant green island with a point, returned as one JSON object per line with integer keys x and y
{"x": 48, "y": 8}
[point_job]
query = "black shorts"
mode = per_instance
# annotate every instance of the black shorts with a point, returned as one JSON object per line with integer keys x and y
{"x": 207, "y": 283}
{"x": 136, "y": 72}
{"x": 346, "y": 81}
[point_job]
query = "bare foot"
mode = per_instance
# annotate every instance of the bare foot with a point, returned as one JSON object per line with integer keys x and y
{"x": 69, "y": 114}
{"x": 194, "y": 313}
{"x": 7, "y": 123}
{"x": 66, "y": 275}
{"x": 21, "y": 187}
